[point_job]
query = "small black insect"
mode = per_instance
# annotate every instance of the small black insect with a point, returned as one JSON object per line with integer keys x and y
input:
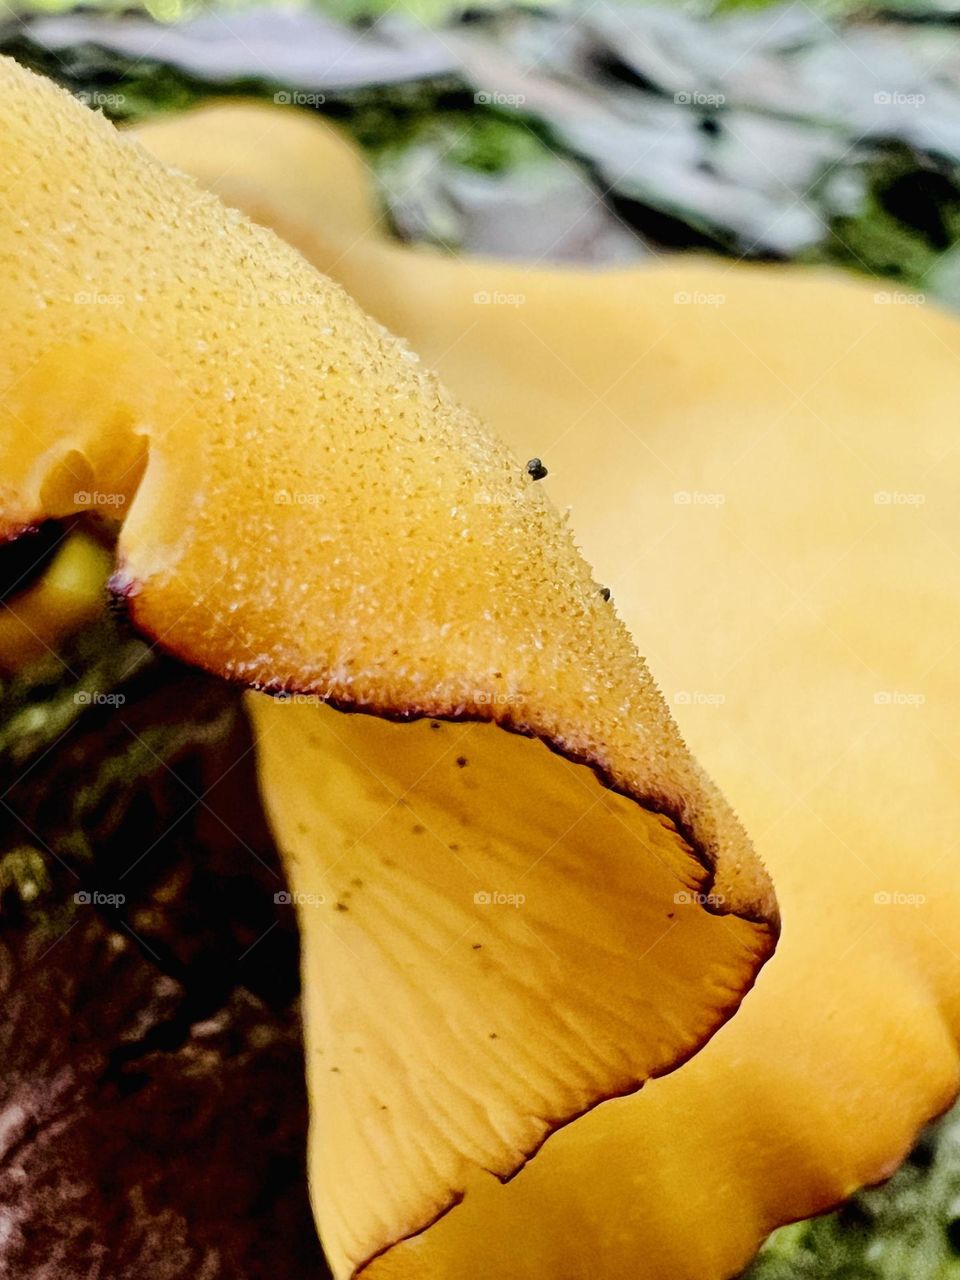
{"x": 605, "y": 592}
{"x": 536, "y": 470}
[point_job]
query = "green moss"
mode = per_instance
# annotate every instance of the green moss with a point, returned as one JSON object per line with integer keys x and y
{"x": 908, "y": 224}
{"x": 23, "y": 871}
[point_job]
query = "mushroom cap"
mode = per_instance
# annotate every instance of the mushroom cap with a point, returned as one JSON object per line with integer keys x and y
{"x": 306, "y": 511}
{"x": 762, "y": 465}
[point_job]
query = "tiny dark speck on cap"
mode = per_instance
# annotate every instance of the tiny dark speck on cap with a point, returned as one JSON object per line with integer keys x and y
{"x": 536, "y": 470}
{"x": 605, "y": 592}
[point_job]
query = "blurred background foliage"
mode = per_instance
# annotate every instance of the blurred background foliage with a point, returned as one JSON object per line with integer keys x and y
{"x": 434, "y": 10}
{"x": 821, "y": 133}
{"x": 825, "y": 133}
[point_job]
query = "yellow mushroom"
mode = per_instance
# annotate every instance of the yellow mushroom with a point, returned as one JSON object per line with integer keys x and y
{"x": 500, "y": 930}
{"x": 762, "y": 465}
{"x": 68, "y": 592}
